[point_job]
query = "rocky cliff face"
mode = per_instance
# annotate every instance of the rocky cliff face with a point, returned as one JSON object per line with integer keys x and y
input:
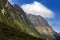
{"x": 42, "y": 26}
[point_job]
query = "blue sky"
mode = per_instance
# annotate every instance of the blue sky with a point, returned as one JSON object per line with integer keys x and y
{"x": 52, "y": 7}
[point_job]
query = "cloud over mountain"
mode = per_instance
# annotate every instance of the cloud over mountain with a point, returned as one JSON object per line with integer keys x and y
{"x": 37, "y": 8}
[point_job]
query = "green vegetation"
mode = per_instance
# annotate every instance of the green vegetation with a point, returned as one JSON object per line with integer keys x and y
{"x": 11, "y": 33}
{"x": 11, "y": 25}
{"x": 14, "y": 20}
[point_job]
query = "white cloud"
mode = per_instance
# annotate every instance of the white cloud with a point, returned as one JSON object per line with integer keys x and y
{"x": 11, "y": 1}
{"x": 37, "y": 8}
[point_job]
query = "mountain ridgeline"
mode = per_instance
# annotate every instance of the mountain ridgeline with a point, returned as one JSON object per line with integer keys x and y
{"x": 15, "y": 24}
{"x": 42, "y": 26}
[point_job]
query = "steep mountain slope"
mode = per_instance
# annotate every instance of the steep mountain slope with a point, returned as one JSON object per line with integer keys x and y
{"x": 42, "y": 26}
{"x": 12, "y": 26}
{"x": 24, "y": 18}
{"x": 11, "y": 33}
{"x": 15, "y": 25}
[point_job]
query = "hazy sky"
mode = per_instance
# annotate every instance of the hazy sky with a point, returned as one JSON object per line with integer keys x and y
{"x": 49, "y": 9}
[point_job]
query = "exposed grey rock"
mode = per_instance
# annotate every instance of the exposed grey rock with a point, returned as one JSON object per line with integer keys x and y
{"x": 42, "y": 26}
{"x": 37, "y": 24}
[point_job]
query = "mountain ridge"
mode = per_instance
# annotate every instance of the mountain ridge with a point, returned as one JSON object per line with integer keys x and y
{"x": 10, "y": 18}
{"x": 42, "y": 26}
{"x": 15, "y": 24}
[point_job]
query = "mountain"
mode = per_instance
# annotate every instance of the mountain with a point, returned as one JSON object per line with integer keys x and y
{"x": 42, "y": 26}
{"x": 13, "y": 25}
{"x": 24, "y": 18}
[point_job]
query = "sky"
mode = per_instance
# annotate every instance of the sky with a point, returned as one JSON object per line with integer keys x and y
{"x": 49, "y": 9}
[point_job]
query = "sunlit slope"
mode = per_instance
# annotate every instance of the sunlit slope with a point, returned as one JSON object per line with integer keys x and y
{"x": 11, "y": 25}
{"x": 11, "y": 33}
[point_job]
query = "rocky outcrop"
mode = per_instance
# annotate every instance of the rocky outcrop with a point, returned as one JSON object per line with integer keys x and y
{"x": 42, "y": 26}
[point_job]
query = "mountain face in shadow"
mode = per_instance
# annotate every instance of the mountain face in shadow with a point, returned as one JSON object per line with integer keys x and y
{"x": 15, "y": 24}
{"x": 59, "y": 34}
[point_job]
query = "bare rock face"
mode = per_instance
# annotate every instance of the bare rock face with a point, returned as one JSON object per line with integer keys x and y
{"x": 42, "y": 26}
{"x": 39, "y": 21}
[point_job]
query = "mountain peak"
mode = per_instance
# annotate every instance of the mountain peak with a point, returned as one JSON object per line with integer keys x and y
{"x": 41, "y": 25}
{"x": 15, "y": 24}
